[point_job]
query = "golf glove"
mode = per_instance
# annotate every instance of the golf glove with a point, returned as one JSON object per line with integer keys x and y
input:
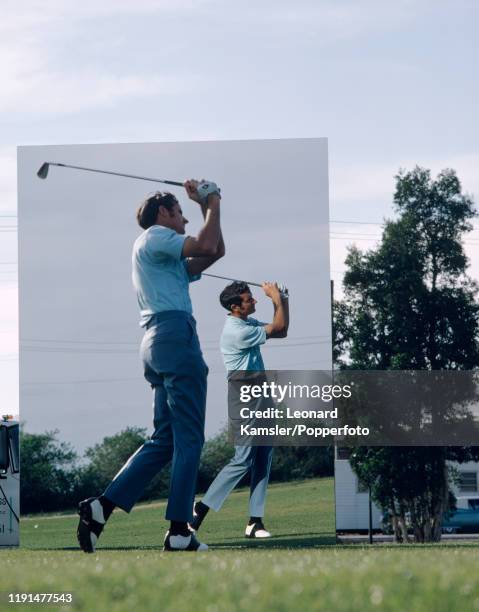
{"x": 206, "y": 188}
{"x": 283, "y": 290}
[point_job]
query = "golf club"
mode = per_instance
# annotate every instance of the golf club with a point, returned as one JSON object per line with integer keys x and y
{"x": 282, "y": 288}
{"x": 44, "y": 168}
{"x": 231, "y": 279}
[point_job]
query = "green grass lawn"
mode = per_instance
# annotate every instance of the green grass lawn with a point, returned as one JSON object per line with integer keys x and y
{"x": 298, "y": 514}
{"x": 300, "y": 568}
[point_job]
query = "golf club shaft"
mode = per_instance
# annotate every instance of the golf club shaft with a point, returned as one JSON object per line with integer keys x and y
{"x": 232, "y": 279}
{"x": 133, "y": 176}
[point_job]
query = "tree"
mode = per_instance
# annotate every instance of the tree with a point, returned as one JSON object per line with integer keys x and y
{"x": 108, "y": 457}
{"x": 409, "y": 305}
{"x": 298, "y": 462}
{"x": 289, "y": 462}
{"x": 48, "y": 472}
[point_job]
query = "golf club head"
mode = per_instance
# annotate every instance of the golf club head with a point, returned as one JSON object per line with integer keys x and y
{"x": 43, "y": 171}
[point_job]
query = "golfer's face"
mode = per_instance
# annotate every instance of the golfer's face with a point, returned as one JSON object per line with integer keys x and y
{"x": 247, "y": 303}
{"x": 178, "y": 222}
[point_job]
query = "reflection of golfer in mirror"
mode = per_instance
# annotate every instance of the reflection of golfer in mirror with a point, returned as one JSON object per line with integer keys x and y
{"x": 240, "y": 344}
{"x": 165, "y": 261}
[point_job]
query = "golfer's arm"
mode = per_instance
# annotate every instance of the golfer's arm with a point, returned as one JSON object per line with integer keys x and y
{"x": 285, "y": 303}
{"x": 220, "y": 249}
{"x": 196, "y": 265}
{"x": 206, "y": 243}
{"x": 279, "y": 326}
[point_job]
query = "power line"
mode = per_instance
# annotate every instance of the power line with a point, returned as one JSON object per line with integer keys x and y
{"x": 107, "y": 351}
{"x": 334, "y": 235}
{"x": 338, "y": 233}
{"x": 341, "y": 221}
{"x": 135, "y": 342}
{"x": 357, "y": 222}
{"x": 80, "y": 382}
{"x": 140, "y": 378}
{"x": 288, "y": 345}
{"x": 345, "y": 221}
{"x": 351, "y": 222}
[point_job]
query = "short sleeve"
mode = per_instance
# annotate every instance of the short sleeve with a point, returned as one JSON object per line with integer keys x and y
{"x": 165, "y": 241}
{"x": 191, "y": 277}
{"x": 250, "y": 336}
{"x": 255, "y": 322}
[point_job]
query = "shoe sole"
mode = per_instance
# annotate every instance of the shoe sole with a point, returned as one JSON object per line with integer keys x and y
{"x": 168, "y": 548}
{"x": 188, "y": 550}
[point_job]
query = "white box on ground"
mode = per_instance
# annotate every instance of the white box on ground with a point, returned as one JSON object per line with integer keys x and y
{"x": 9, "y": 483}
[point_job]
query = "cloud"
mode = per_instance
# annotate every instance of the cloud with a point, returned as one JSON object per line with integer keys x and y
{"x": 43, "y": 41}
{"x": 367, "y": 14}
{"x": 333, "y": 20}
{"x": 369, "y": 182}
{"x": 39, "y": 53}
{"x": 40, "y": 13}
{"x": 34, "y": 82}
{"x": 57, "y": 94}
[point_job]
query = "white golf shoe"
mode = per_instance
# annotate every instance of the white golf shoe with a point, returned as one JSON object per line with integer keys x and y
{"x": 91, "y": 524}
{"x": 179, "y": 542}
{"x": 256, "y": 530}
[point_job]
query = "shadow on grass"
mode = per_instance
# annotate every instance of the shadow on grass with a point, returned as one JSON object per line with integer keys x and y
{"x": 414, "y": 546}
{"x": 309, "y": 540}
{"x": 278, "y": 542}
{"x": 158, "y": 547}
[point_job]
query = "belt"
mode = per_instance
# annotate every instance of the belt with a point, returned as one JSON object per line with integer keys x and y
{"x": 166, "y": 315}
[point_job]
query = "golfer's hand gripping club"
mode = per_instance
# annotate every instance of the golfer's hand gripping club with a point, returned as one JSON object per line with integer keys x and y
{"x": 283, "y": 291}
{"x": 206, "y": 188}
{"x": 198, "y": 191}
{"x": 273, "y": 289}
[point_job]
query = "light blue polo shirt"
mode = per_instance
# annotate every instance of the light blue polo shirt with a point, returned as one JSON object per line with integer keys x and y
{"x": 160, "y": 274}
{"x": 240, "y": 342}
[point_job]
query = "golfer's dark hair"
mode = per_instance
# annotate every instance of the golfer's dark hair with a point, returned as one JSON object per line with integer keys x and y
{"x": 231, "y": 295}
{"x": 147, "y": 213}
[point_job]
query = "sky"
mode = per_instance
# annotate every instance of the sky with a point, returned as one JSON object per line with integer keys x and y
{"x": 390, "y": 85}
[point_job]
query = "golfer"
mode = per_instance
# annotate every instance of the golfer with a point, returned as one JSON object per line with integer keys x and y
{"x": 240, "y": 345}
{"x": 165, "y": 261}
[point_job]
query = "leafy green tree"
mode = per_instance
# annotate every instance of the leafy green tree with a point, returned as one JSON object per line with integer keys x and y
{"x": 298, "y": 462}
{"x": 48, "y": 473}
{"x": 106, "y": 458}
{"x": 409, "y": 304}
{"x": 289, "y": 462}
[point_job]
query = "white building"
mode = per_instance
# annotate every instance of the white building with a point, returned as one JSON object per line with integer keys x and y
{"x": 352, "y": 498}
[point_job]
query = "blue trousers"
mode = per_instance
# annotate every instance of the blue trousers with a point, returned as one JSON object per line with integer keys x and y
{"x": 256, "y": 459}
{"x": 174, "y": 366}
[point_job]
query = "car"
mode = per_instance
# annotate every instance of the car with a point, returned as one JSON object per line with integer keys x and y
{"x": 462, "y": 520}
{"x": 468, "y": 501}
